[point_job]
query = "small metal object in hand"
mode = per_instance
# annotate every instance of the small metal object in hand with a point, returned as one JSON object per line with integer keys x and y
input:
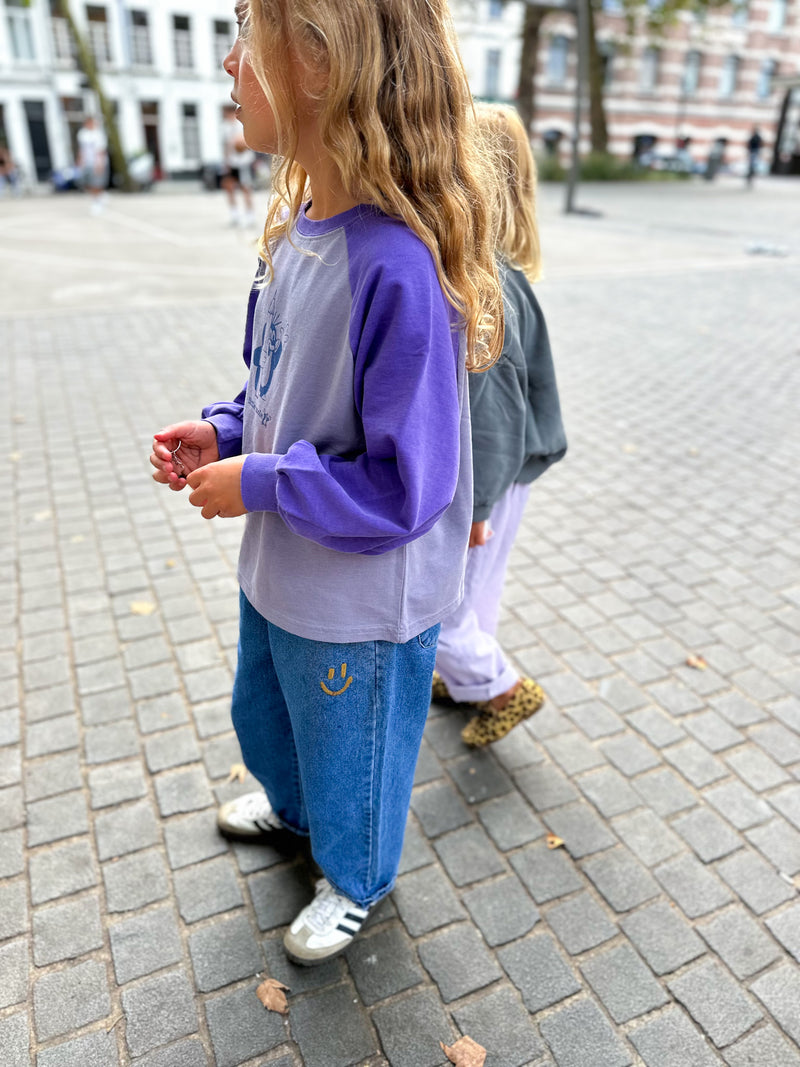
{"x": 177, "y": 462}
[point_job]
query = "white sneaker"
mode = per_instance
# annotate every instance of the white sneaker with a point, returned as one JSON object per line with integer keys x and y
{"x": 248, "y": 817}
{"x": 324, "y": 928}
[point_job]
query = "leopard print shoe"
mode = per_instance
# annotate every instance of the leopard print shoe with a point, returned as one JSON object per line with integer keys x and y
{"x": 439, "y": 693}
{"x": 490, "y": 725}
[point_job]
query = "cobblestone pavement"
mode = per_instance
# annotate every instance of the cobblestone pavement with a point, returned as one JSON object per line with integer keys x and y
{"x": 666, "y": 931}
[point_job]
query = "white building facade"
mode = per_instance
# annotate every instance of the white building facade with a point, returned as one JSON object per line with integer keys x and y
{"x": 161, "y": 66}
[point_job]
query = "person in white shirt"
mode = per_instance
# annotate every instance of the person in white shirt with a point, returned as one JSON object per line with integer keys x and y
{"x": 93, "y": 162}
{"x": 237, "y": 169}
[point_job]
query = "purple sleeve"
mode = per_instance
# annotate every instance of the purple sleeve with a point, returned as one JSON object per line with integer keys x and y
{"x": 406, "y": 392}
{"x": 226, "y": 416}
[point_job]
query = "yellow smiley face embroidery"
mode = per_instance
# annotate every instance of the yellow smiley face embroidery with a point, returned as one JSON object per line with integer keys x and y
{"x": 336, "y": 692}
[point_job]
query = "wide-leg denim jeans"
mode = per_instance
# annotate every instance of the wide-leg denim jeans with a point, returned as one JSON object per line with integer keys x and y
{"x": 332, "y": 732}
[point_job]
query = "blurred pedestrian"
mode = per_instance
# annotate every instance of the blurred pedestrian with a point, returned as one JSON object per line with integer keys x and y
{"x": 517, "y": 434}
{"x": 93, "y": 163}
{"x": 754, "y": 146}
{"x": 237, "y": 169}
{"x": 348, "y": 449}
{"x": 9, "y": 173}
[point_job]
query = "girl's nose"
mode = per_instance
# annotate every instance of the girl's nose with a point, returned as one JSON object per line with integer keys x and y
{"x": 230, "y": 60}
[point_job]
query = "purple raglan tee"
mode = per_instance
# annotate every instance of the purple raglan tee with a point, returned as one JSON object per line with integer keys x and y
{"x": 355, "y": 423}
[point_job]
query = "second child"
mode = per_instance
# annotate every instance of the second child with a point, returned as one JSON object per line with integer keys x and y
{"x": 516, "y": 435}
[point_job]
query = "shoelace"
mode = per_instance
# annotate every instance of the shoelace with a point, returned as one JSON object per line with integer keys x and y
{"x": 325, "y": 905}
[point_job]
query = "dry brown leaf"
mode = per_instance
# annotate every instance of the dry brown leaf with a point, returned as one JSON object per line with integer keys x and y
{"x": 465, "y": 1053}
{"x": 553, "y": 841}
{"x": 271, "y": 995}
{"x": 696, "y": 660}
{"x": 238, "y": 772}
{"x": 142, "y": 607}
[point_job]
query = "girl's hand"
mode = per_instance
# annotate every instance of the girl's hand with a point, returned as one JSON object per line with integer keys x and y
{"x": 217, "y": 489}
{"x": 180, "y": 449}
{"x": 479, "y": 533}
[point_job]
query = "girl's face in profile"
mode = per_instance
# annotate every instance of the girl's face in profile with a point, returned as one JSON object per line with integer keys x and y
{"x": 253, "y": 109}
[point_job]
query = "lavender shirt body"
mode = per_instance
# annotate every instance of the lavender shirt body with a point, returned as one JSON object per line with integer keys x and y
{"x": 355, "y": 423}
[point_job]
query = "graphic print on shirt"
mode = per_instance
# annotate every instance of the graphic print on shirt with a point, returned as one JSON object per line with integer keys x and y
{"x": 266, "y": 358}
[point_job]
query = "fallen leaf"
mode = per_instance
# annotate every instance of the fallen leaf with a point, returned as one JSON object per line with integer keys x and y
{"x": 142, "y": 607}
{"x": 465, "y": 1053}
{"x": 19, "y": 418}
{"x": 630, "y": 448}
{"x": 553, "y": 841}
{"x": 238, "y": 772}
{"x": 15, "y": 457}
{"x": 271, "y": 995}
{"x": 42, "y": 516}
{"x": 170, "y": 563}
{"x": 696, "y": 660}
{"x": 77, "y": 539}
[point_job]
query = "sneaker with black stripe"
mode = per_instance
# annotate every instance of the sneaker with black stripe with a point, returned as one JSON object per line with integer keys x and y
{"x": 248, "y": 818}
{"x": 324, "y": 928}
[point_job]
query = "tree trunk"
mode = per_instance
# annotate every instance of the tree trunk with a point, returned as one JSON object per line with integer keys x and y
{"x": 89, "y": 67}
{"x": 526, "y": 93}
{"x": 597, "y": 111}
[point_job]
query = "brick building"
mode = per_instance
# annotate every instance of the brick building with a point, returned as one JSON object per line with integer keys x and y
{"x": 708, "y": 77}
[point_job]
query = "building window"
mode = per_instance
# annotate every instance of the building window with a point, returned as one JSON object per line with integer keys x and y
{"x": 190, "y": 128}
{"x": 63, "y": 44}
{"x": 728, "y": 76}
{"x": 492, "y": 82}
{"x": 766, "y": 73}
{"x": 495, "y": 9}
{"x": 649, "y": 78}
{"x": 99, "y": 36}
{"x": 182, "y": 35}
{"x": 691, "y": 73}
{"x": 607, "y": 50}
{"x": 557, "y": 60}
{"x": 20, "y": 30}
{"x": 223, "y": 39}
{"x": 141, "y": 49}
{"x": 777, "y": 16}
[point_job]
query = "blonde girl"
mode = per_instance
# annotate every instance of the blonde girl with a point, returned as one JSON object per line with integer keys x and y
{"x": 516, "y": 435}
{"x": 348, "y": 449}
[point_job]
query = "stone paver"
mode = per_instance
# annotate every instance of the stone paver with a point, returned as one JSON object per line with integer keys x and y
{"x": 666, "y": 931}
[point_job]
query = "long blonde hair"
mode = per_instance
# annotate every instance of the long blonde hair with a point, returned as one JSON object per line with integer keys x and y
{"x": 395, "y": 117}
{"x": 508, "y": 150}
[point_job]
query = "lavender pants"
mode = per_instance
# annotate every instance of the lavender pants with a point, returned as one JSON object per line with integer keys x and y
{"x": 469, "y": 659}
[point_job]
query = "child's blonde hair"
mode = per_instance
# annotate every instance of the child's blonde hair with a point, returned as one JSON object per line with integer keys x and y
{"x": 508, "y": 150}
{"x": 395, "y": 117}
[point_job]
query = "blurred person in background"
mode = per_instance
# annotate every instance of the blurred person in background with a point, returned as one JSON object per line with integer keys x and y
{"x": 9, "y": 174}
{"x": 93, "y": 163}
{"x": 237, "y": 169}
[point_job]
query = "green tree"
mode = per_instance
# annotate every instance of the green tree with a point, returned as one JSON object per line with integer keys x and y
{"x": 86, "y": 63}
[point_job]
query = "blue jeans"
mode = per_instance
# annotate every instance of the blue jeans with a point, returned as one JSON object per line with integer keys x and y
{"x": 332, "y": 732}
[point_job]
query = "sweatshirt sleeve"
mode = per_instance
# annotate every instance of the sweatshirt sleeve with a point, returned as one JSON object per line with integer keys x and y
{"x": 226, "y": 418}
{"x": 405, "y": 354}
